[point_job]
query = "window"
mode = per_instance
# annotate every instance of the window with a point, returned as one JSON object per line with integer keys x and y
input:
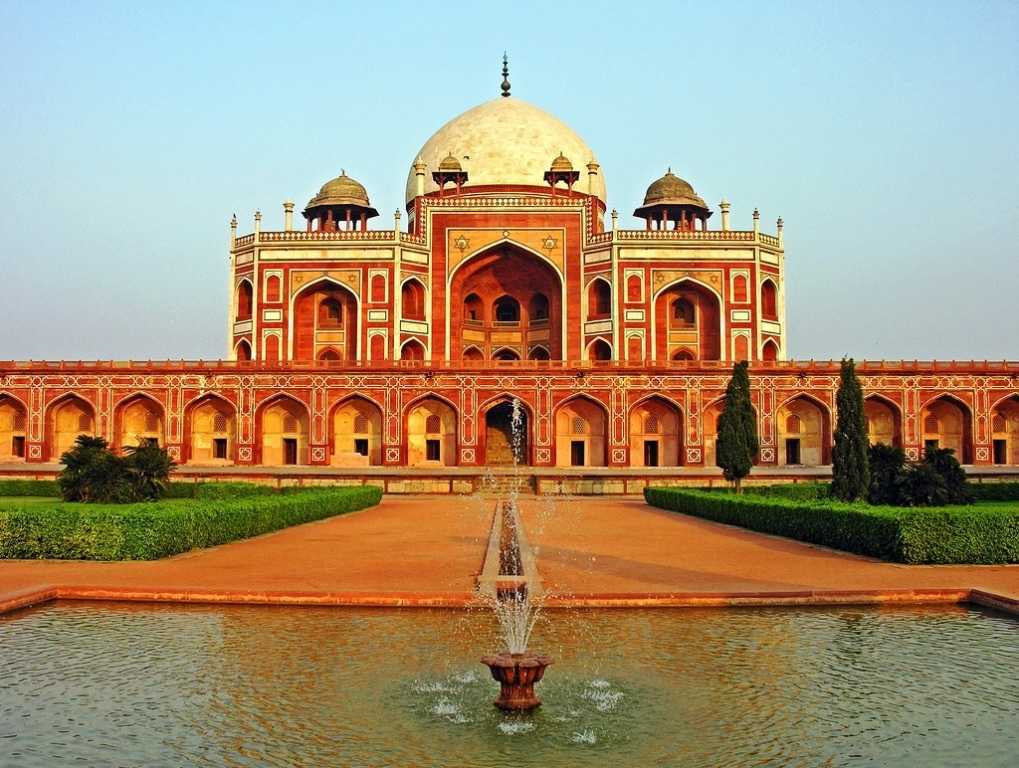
{"x": 433, "y": 450}
{"x": 683, "y": 354}
{"x": 577, "y": 453}
{"x": 472, "y": 308}
{"x": 792, "y": 450}
{"x": 330, "y": 313}
{"x": 769, "y": 301}
{"x": 507, "y": 310}
{"x": 683, "y": 313}
{"x": 219, "y": 423}
{"x": 539, "y": 307}
{"x": 433, "y": 425}
{"x": 651, "y": 425}
{"x": 329, "y": 355}
{"x": 599, "y": 299}
{"x": 506, "y": 354}
{"x": 579, "y": 426}
{"x": 413, "y": 300}
{"x": 219, "y": 448}
{"x": 539, "y": 353}
{"x": 650, "y": 453}
{"x": 1000, "y": 452}
{"x": 244, "y": 300}
{"x": 18, "y": 446}
{"x": 633, "y": 288}
{"x": 361, "y": 446}
{"x": 793, "y": 424}
{"x": 998, "y": 423}
{"x": 272, "y": 289}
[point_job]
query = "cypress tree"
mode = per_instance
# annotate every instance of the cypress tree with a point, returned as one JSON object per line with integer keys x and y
{"x": 851, "y": 458}
{"x": 737, "y": 442}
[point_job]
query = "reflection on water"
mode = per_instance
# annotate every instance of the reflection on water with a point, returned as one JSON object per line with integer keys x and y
{"x": 109, "y": 684}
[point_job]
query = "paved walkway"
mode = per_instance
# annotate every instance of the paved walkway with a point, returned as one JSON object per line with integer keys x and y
{"x": 432, "y": 548}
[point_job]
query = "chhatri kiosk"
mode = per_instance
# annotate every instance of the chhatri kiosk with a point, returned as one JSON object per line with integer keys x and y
{"x": 504, "y": 276}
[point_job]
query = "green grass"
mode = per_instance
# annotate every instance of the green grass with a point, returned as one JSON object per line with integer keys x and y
{"x": 53, "y": 529}
{"x": 987, "y": 532}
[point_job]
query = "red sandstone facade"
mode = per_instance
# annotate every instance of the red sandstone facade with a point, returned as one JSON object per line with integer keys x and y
{"x": 352, "y": 346}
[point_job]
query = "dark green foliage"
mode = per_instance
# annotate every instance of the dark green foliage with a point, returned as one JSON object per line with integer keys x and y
{"x": 94, "y": 474}
{"x": 149, "y": 468}
{"x": 230, "y": 490}
{"x": 850, "y": 466}
{"x": 792, "y": 491}
{"x": 906, "y": 535}
{"x": 29, "y": 488}
{"x": 993, "y": 491}
{"x": 887, "y": 474}
{"x": 737, "y": 442}
{"x": 147, "y": 531}
{"x": 944, "y": 464}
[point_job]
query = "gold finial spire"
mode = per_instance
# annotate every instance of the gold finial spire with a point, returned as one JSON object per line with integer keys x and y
{"x": 505, "y": 75}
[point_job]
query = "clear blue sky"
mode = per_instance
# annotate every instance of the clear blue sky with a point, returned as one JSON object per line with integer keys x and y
{"x": 884, "y": 134}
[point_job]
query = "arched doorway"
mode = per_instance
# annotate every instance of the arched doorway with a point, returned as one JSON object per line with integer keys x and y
{"x": 412, "y": 300}
{"x": 212, "y": 427}
{"x": 656, "y": 436}
{"x": 946, "y": 423}
{"x": 505, "y": 297}
{"x": 804, "y": 433}
{"x": 67, "y": 418}
{"x": 13, "y": 429}
{"x": 283, "y": 423}
{"x": 599, "y": 350}
{"x": 413, "y": 350}
{"x": 688, "y": 317}
{"x": 1005, "y": 432}
{"x": 357, "y": 433}
{"x": 580, "y": 425}
{"x": 325, "y": 317}
{"x": 883, "y": 423}
{"x": 431, "y": 433}
{"x": 139, "y": 420}
{"x": 506, "y": 434}
{"x": 769, "y": 352}
{"x": 242, "y": 351}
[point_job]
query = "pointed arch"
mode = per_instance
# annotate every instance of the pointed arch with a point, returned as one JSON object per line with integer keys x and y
{"x": 304, "y": 319}
{"x": 655, "y": 428}
{"x": 539, "y": 352}
{"x": 505, "y": 354}
{"x": 770, "y": 351}
{"x": 884, "y": 420}
{"x": 210, "y": 430}
{"x": 708, "y": 324}
{"x": 138, "y": 418}
{"x": 473, "y": 353}
{"x": 1005, "y": 431}
{"x": 599, "y": 349}
{"x": 599, "y": 298}
{"x": 281, "y": 430}
{"x": 66, "y": 417}
{"x": 13, "y": 428}
{"x": 355, "y": 431}
{"x": 244, "y": 293}
{"x": 581, "y": 427}
{"x": 769, "y": 299}
{"x": 810, "y": 443}
{"x": 498, "y": 444}
{"x": 412, "y": 349}
{"x": 946, "y": 421}
{"x": 413, "y": 299}
{"x": 431, "y": 428}
{"x": 242, "y": 351}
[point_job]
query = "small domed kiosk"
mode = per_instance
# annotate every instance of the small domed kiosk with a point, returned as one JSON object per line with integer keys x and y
{"x": 672, "y": 199}
{"x": 341, "y": 204}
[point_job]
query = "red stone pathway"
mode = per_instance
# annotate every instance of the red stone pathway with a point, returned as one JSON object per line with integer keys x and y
{"x": 430, "y": 549}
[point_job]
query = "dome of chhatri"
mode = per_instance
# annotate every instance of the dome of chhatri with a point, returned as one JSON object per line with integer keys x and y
{"x": 450, "y": 164}
{"x": 562, "y": 163}
{"x": 342, "y": 190}
{"x": 672, "y": 190}
{"x": 503, "y": 141}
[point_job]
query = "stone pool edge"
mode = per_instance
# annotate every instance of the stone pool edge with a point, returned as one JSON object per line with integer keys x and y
{"x": 25, "y": 598}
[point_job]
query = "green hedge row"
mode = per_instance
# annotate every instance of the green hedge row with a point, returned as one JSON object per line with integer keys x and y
{"x": 29, "y": 488}
{"x": 791, "y": 491}
{"x": 994, "y": 491}
{"x": 969, "y": 534}
{"x": 148, "y": 531}
{"x": 205, "y": 490}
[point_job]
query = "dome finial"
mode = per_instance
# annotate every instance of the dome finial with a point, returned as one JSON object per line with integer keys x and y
{"x": 505, "y": 75}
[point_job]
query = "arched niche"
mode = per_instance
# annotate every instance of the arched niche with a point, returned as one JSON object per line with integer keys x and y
{"x": 13, "y": 429}
{"x": 1005, "y": 432}
{"x": 66, "y": 419}
{"x": 507, "y": 433}
{"x": 431, "y": 433}
{"x": 138, "y": 420}
{"x": 656, "y": 434}
{"x": 804, "y": 433}
{"x": 884, "y": 423}
{"x": 325, "y": 315}
{"x": 356, "y": 433}
{"x": 212, "y": 431}
{"x": 946, "y": 422}
{"x": 687, "y": 315}
{"x": 283, "y": 431}
{"x": 581, "y": 432}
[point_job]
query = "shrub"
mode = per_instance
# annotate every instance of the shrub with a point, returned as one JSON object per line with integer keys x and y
{"x": 906, "y": 535}
{"x": 147, "y": 531}
{"x": 793, "y": 491}
{"x": 992, "y": 491}
{"x": 942, "y": 462}
{"x": 850, "y": 466}
{"x": 148, "y": 467}
{"x": 737, "y": 441}
{"x": 887, "y": 474}
{"x": 29, "y": 488}
{"x": 92, "y": 473}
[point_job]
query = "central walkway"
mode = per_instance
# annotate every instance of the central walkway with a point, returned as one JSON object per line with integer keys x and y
{"x": 433, "y": 548}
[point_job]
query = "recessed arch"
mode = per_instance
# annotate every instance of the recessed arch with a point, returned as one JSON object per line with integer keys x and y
{"x": 431, "y": 430}
{"x": 803, "y": 424}
{"x": 769, "y": 299}
{"x": 599, "y": 349}
{"x": 413, "y": 299}
{"x": 68, "y": 416}
{"x": 884, "y": 420}
{"x": 282, "y": 430}
{"x": 413, "y": 350}
{"x": 581, "y": 425}
{"x": 138, "y": 419}
{"x": 599, "y": 298}
{"x": 946, "y": 421}
{"x": 356, "y": 432}
{"x": 707, "y": 330}
{"x": 539, "y": 352}
{"x": 770, "y": 351}
{"x": 500, "y": 443}
{"x": 242, "y": 351}
{"x": 473, "y": 354}
{"x": 1005, "y": 431}
{"x": 210, "y": 423}
{"x": 13, "y": 428}
{"x": 506, "y": 354}
{"x": 709, "y": 428}
{"x": 243, "y": 299}
{"x": 655, "y": 428}
{"x": 305, "y": 317}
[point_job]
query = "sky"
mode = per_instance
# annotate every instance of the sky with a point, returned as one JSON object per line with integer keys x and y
{"x": 884, "y": 134}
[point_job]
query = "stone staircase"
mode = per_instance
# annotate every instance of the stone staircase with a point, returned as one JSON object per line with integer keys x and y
{"x": 502, "y": 485}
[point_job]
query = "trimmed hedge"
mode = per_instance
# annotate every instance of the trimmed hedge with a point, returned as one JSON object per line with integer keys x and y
{"x": 967, "y": 534}
{"x": 994, "y": 491}
{"x": 148, "y": 531}
{"x": 791, "y": 491}
{"x": 179, "y": 490}
{"x": 29, "y": 488}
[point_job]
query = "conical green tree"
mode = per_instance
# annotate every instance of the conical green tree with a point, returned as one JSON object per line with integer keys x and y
{"x": 851, "y": 457}
{"x": 737, "y": 442}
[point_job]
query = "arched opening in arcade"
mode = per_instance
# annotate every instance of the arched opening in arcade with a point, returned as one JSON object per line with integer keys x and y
{"x": 473, "y": 354}
{"x": 769, "y": 300}
{"x": 506, "y": 433}
{"x": 212, "y": 431}
{"x": 431, "y": 433}
{"x": 1005, "y": 432}
{"x": 66, "y": 419}
{"x": 325, "y": 317}
{"x": 505, "y": 354}
{"x": 710, "y": 427}
{"x": 599, "y": 350}
{"x": 769, "y": 352}
{"x": 13, "y": 429}
{"x": 884, "y": 422}
{"x": 244, "y": 299}
{"x": 656, "y": 435}
{"x": 599, "y": 299}
{"x": 947, "y": 423}
{"x": 505, "y": 297}
{"x": 804, "y": 433}
{"x": 329, "y": 355}
{"x": 138, "y": 421}
{"x": 412, "y": 350}
{"x": 357, "y": 433}
{"x": 242, "y": 351}
{"x": 581, "y": 429}
{"x": 283, "y": 429}
{"x": 412, "y": 299}
{"x": 538, "y": 352}
{"x": 688, "y": 318}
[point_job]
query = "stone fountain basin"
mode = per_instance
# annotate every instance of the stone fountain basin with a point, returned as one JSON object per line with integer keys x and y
{"x": 517, "y": 674}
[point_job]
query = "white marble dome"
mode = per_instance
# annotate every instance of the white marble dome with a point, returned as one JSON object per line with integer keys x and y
{"x": 505, "y": 141}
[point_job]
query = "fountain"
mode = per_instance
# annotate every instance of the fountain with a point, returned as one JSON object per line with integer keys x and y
{"x": 512, "y": 582}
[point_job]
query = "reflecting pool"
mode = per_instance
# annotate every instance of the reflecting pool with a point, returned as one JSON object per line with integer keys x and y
{"x": 155, "y": 685}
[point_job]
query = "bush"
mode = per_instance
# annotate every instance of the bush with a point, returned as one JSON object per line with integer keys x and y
{"x": 792, "y": 491}
{"x": 993, "y": 491}
{"x": 905, "y": 535}
{"x": 29, "y": 488}
{"x": 934, "y": 482}
{"x": 92, "y": 473}
{"x": 147, "y": 531}
{"x": 887, "y": 474}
